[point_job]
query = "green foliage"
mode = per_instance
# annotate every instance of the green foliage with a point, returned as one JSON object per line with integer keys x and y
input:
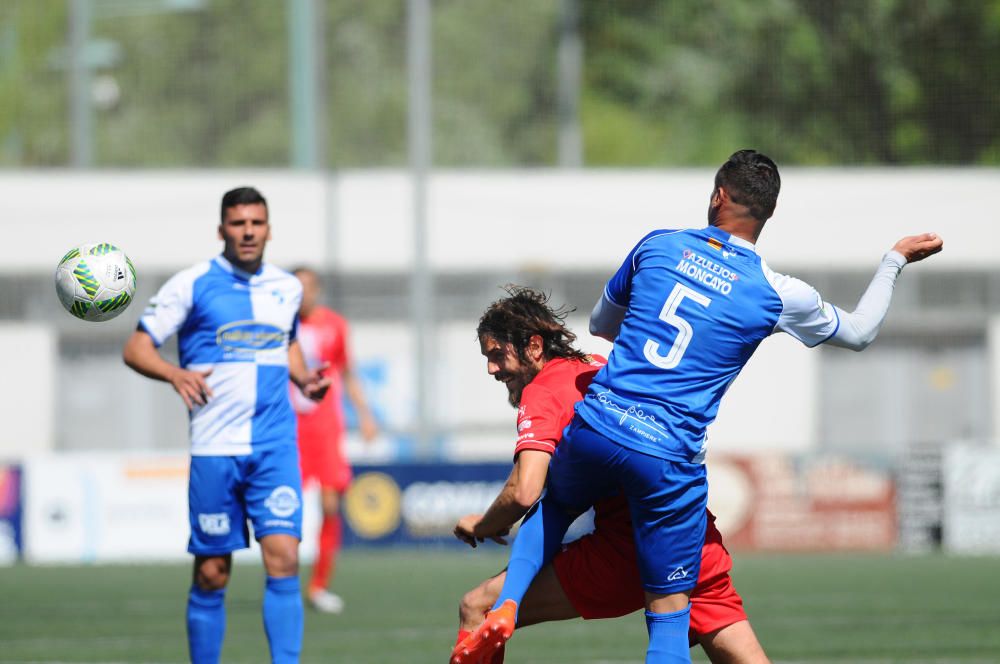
{"x": 665, "y": 83}
{"x": 33, "y": 91}
{"x": 808, "y": 81}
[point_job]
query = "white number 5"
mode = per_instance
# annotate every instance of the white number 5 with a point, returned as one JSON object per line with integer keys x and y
{"x": 684, "y": 332}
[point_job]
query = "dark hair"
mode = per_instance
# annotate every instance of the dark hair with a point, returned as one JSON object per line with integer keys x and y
{"x": 524, "y": 313}
{"x": 751, "y": 179}
{"x": 240, "y": 196}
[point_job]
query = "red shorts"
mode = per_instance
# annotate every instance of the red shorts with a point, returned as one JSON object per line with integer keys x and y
{"x": 600, "y": 575}
{"x": 321, "y": 458}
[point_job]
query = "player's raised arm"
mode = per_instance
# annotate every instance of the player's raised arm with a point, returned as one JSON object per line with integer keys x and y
{"x": 859, "y": 328}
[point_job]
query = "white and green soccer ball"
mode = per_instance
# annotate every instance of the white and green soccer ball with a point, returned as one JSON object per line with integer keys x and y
{"x": 95, "y": 282}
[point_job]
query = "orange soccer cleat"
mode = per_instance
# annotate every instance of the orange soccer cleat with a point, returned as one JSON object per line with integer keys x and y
{"x": 489, "y": 637}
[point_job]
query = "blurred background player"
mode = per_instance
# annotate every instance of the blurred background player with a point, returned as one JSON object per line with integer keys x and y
{"x": 528, "y": 348}
{"x": 236, "y": 320}
{"x": 323, "y": 336}
{"x": 686, "y": 310}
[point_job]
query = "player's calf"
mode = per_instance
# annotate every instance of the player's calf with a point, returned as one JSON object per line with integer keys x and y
{"x": 477, "y": 602}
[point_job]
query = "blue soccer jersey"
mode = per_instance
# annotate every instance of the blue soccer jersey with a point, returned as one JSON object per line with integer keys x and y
{"x": 697, "y": 304}
{"x": 238, "y": 325}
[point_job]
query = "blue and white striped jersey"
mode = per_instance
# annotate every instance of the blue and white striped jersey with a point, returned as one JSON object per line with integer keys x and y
{"x": 238, "y": 325}
{"x": 697, "y": 304}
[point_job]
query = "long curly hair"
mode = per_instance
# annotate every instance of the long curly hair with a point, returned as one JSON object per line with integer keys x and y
{"x": 524, "y": 313}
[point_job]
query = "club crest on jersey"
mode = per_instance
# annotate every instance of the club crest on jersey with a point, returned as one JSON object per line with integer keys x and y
{"x": 707, "y": 272}
{"x": 719, "y": 246}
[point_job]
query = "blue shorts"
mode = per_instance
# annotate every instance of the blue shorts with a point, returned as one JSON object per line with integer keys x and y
{"x": 224, "y": 492}
{"x": 667, "y": 501}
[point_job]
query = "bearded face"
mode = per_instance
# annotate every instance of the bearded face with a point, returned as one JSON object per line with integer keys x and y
{"x": 507, "y": 366}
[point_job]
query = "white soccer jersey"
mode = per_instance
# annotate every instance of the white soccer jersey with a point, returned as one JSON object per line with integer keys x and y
{"x": 238, "y": 325}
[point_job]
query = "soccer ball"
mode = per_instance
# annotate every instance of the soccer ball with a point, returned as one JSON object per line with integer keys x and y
{"x": 95, "y": 282}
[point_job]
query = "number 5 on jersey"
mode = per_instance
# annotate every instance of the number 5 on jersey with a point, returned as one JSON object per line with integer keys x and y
{"x": 685, "y": 333}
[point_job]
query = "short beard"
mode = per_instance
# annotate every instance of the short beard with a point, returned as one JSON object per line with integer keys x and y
{"x": 523, "y": 378}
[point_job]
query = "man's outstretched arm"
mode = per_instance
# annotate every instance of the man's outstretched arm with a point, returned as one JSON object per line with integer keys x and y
{"x": 523, "y": 489}
{"x": 859, "y": 328}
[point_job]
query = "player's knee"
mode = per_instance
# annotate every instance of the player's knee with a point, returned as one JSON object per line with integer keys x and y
{"x": 211, "y": 574}
{"x": 475, "y": 604}
{"x": 330, "y": 502}
{"x": 282, "y": 561}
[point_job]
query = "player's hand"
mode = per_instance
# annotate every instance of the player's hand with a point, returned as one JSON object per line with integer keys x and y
{"x": 368, "y": 428}
{"x": 315, "y": 385}
{"x": 465, "y": 530}
{"x": 918, "y": 247}
{"x": 192, "y": 386}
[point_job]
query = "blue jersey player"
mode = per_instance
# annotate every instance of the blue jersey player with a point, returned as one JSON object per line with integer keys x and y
{"x": 686, "y": 310}
{"x": 235, "y": 318}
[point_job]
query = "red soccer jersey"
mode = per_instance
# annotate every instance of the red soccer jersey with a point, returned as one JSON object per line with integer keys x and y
{"x": 547, "y": 402}
{"x": 323, "y": 337}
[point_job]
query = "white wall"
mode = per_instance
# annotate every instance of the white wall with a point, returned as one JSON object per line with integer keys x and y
{"x": 28, "y": 355}
{"x": 993, "y": 355}
{"x": 501, "y": 220}
{"x": 164, "y": 220}
{"x": 491, "y": 219}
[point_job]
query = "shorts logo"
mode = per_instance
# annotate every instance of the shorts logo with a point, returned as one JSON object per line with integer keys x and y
{"x": 678, "y": 574}
{"x": 283, "y": 501}
{"x": 214, "y": 524}
{"x": 524, "y": 424}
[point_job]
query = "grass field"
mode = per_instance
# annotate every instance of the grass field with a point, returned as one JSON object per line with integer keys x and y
{"x": 401, "y": 607}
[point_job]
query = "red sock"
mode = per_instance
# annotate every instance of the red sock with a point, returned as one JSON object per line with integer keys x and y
{"x": 497, "y": 657}
{"x": 329, "y": 545}
{"x": 462, "y": 633}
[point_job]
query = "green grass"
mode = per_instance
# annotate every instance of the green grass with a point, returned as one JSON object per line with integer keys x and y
{"x": 401, "y": 607}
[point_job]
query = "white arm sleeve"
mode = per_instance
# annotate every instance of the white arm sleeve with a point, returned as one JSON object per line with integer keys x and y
{"x": 804, "y": 314}
{"x": 860, "y": 327}
{"x": 606, "y": 318}
{"x": 169, "y": 308}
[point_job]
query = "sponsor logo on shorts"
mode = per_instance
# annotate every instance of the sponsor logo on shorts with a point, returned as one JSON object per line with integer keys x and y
{"x": 283, "y": 501}
{"x": 521, "y": 426}
{"x": 214, "y": 524}
{"x": 279, "y": 523}
{"x": 678, "y": 574}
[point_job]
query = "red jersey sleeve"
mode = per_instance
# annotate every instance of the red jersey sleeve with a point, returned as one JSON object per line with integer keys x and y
{"x": 540, "y": 420}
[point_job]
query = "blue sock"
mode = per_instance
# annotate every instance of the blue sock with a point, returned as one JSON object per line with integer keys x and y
{"x": 668, "y": 636}
{"x": 283, "y": 618}
{"x": 537, "y": 541}
{"x": 206, "y": 624}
